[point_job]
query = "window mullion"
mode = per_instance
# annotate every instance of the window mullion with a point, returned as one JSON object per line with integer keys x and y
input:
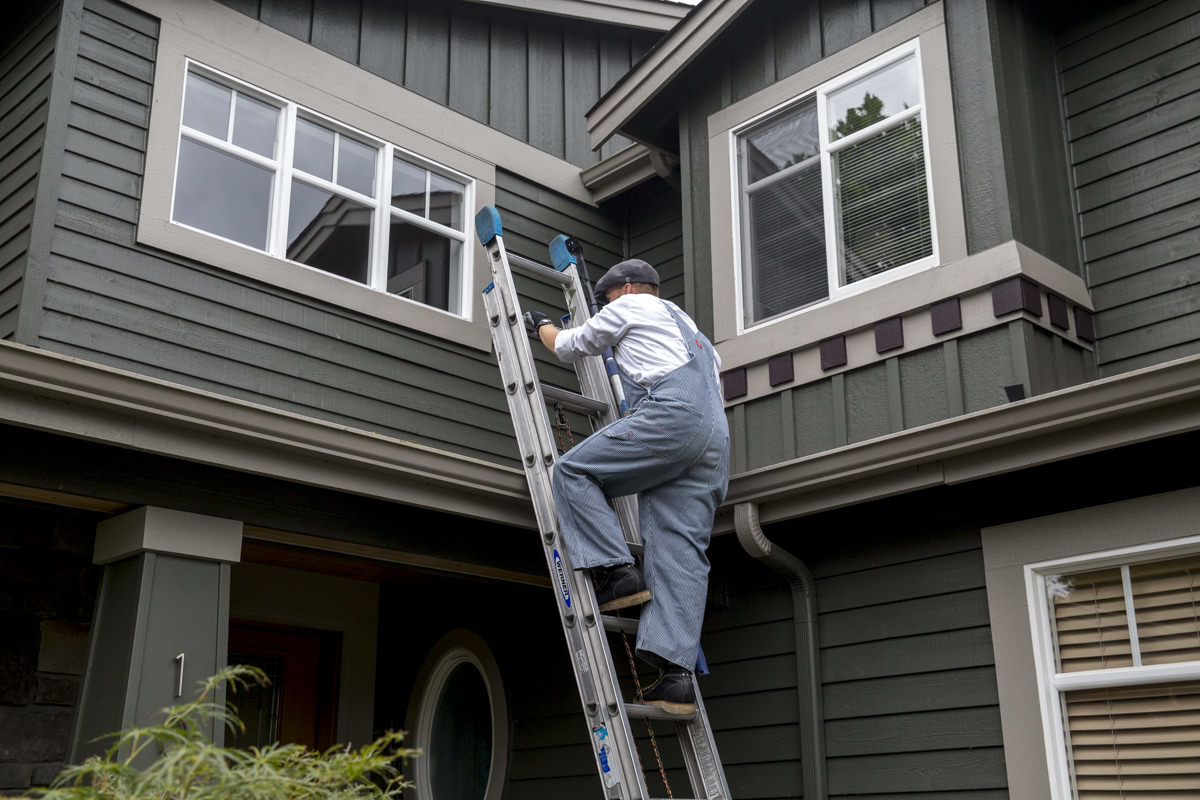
{"x": 283, "y": 192}
{"x": 380, "y": 242}
{"x": 1130, "y": 616}
{"x": 827, "y": 197}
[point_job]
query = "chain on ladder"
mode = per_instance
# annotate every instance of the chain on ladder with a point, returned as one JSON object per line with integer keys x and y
{"x": 561, "y": 424}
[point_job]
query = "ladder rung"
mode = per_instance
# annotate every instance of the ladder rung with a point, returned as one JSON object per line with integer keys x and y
{"x": 638, "y": 711}
{"x": 622, "y": 624}
{"x": 531, "y": 267}
{"x": 572, "y": 401}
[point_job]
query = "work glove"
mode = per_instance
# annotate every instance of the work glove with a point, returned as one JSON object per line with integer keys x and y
{"x": 535, "y": 320}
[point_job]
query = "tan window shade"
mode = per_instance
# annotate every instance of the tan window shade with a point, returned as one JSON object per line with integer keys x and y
{"x": 1139, "y": 742}
{"x": 1091, "y": 629}
{"x": 1165, "y": 596}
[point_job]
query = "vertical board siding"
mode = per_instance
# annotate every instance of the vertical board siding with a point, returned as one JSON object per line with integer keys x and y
{"x": 531, "y": 76}
{"x": 918, "y": 387}
{"x": 1129, "y": 83}
{"x": 26, "y": 67}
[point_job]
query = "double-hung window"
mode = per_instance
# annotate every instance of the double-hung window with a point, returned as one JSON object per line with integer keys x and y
{"x": 1118, "y": 650}
{"x": 835, "y": 192}
{"x": 261, "y": 171}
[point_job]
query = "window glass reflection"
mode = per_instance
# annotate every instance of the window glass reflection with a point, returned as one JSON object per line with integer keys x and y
{"x": 206, "y": 106}
{"x": 222, "y": 194}
{"x": 408, "y": 187}
{"x": 876, "y": 97}
{"x": 314, "y": 149}
{"x": 356, "y": 166}
{"x": 329, "y": 232}
{"x": 789, "y": 141}
{"x": 460, "y": 746}
{"x": 254, "y": 126}
{"x": 420, "y": 266}
{"x": 445, "y": 201}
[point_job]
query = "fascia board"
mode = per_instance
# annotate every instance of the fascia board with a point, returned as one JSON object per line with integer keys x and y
{"x": 1112, "y": 412}
{"x": 662, "y": 64}
{"x": 621, "y": 171}
{"x": 651, "y": 15}
{"x": 67, "y": 396}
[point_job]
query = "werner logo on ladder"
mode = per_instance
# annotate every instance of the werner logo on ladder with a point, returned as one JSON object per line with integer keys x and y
{"x": 664, "y": 468}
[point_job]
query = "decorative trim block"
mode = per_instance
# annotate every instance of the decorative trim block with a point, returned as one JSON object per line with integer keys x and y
{"x": 781, "y": 369}
{"x": 833, "y": 352}
{"x": 1016, "y": 294}
{"x": 889, "y": 335}
{"x": 1059, "y": 317}
{"x": 946, "y": 316}
{"x": 734, "y": 383}
{"x": 1085, "y": 327}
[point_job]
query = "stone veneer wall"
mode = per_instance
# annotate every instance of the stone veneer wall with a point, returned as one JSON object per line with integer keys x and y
{"x": 48, "y": 588}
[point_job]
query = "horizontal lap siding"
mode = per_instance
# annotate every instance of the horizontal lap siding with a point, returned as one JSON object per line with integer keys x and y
{"x": 909, "y": 690}
{"x": 109, "y": 300}
{"x": 906, "y": 654}
{"x": 531, "y": 76}
{"x": 1132, "y": 96}
{"x": 26, "y": 67}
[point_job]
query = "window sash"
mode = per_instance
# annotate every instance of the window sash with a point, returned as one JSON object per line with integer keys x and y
{"x": 1128, "y": 724}
{"x": 837, "y": 283}
{"x": 377, "y": 206}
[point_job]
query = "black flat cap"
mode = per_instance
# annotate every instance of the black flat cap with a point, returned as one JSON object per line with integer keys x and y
{"x": 633, "y": 270}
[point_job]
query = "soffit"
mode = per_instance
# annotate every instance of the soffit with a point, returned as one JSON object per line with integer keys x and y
{"x": 654, "y": 15}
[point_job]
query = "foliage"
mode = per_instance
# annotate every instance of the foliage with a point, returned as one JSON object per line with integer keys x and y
{"x": 177, "y": 759}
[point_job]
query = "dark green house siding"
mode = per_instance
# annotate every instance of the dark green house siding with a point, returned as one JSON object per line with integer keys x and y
{"x": 27, "y": 52}
{"x": 1130, "y": 80}
{"x": 105, "y": 298}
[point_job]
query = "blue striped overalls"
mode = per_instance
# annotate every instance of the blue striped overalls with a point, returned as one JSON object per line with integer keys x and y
{"x": 672, "y": 450}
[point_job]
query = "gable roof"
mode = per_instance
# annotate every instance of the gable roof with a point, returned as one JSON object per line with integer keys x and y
{"x": 666, "y": 60}
{"x": 654, "y": 15}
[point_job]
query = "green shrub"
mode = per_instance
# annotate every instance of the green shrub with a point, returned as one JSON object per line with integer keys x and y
{"x": 177, "y": 759}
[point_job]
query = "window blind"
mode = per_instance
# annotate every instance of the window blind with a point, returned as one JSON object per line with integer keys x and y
{"x": 1139, "y": 742}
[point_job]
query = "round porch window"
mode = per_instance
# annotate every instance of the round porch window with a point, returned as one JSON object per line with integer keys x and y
{"x": 460, "y": 719}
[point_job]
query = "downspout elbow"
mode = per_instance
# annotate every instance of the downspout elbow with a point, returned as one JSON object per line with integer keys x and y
{"x": 808, "y": 656}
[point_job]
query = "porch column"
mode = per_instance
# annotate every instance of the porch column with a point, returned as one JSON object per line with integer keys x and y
{"x": 161, "y": 622}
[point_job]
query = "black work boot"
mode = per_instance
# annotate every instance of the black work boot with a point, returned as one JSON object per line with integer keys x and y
{"x": 673, "y": 692}
{"x": 619, "y": 587}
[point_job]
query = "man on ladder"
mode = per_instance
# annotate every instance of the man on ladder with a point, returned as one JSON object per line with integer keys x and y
{"x": 672, "y": 451}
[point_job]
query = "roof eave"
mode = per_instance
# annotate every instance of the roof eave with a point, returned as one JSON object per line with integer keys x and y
{"x": 662, "y": 64}
{"x": 650, "y": 15}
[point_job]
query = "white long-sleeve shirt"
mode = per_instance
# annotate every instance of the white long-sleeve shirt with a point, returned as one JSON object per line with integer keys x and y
{"x": 642, "y": 333}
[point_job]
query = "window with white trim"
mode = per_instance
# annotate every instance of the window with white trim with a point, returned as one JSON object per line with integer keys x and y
{"x": 268, "y": 174}
{"x": 834, "y": 189}
{"x": 1117, "y": 641}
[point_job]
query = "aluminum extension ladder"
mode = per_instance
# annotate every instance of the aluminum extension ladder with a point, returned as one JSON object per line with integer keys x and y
{"x": 608, "y": 716}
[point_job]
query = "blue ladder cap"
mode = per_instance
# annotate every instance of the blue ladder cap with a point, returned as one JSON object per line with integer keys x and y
{"x": 489, "y": 287}
{"x": 487, "y": 225}
{"x": 560, "y": 257}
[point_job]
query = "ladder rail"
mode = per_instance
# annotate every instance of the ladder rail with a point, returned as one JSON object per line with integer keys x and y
{"x": 585, "y": 629}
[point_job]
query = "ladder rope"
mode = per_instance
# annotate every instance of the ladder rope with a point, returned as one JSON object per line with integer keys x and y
{"x": 561, "y": 424}
{"x": 637, "y": 683}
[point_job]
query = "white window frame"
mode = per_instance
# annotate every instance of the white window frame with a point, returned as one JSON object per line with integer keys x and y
{"x": 1052, "y": 684}
{"x": 381, "y": 209}
{"x": 897, "y": 293}
{"x": 828, "y": 149}
{"x": 457, "y": 647}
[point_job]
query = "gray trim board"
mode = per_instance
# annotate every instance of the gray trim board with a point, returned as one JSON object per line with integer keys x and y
{"x": 653, "y": 15}
{"x": 76, "y": 398}
{"x": 53, "y": 155}
{"x": 1006, "y": 551}
{"x": 1135, "y": 407}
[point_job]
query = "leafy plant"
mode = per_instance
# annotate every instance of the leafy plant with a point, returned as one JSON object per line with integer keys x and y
{"x": 177, "y": 760}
